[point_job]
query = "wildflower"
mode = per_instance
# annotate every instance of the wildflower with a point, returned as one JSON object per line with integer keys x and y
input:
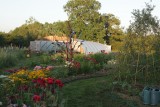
{"x": 37, "y": 67}
{"x": 49, "y": 68}
{"x": 41, "y": 82}
{"x": 36, "y": 98}
{"x": 59, "y": 83}
{"x": 50, "y": 80}
{"x": 3, "y": 76}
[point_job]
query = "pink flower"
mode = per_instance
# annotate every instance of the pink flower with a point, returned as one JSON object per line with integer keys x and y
{"x": 37, "y": 67}
{"x": 49, "y": 68}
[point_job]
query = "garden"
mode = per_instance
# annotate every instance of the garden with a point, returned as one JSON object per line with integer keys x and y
{"x": 37, "y": 79}
{"x": 65, "y": 78}
{"x": 30, "y": 79}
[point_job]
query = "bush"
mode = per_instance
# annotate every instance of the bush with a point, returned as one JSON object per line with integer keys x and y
{"x": 91, "y": 63}
{"x": 59, "y": 72}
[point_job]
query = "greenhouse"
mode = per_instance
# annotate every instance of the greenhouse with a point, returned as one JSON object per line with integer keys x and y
{"x": 89, "y": 47}
{"x": 81, "y": 46}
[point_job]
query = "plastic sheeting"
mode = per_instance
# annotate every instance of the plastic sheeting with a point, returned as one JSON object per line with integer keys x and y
{"x": 94, "y": 47}
{"x": 86, "y": 47}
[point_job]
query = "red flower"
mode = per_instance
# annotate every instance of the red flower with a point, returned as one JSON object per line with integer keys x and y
{"x": 59, "y": 83}
{"x": 41, "y": 82}
{"x": 36, "y": 98}
{"x": 50, "y": 80}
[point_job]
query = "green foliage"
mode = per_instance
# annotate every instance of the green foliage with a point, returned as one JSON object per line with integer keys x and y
{"x": 144, "y": 22}
{"x": 91, "y": 63}
{"x": 103, "y": 58}
{"x": 114, "y": 34}
{"x": 5, "y": 85}
{"x": 84, "y": 16}
{"x": 4, "y": 39}
{"x": 9, "y": 56}
{"x": 59, "y": 72}
{"x": 139, "y": 55}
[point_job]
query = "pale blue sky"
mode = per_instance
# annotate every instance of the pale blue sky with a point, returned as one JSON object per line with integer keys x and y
{"x": 14, "y": 13}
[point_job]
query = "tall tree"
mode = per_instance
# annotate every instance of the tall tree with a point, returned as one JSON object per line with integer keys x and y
{"x": 144, "y": 22}
{"x": 114, "y": 34}
{"x": 84, "y": 18}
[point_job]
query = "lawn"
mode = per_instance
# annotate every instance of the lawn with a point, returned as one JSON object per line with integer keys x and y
{"x": 94, "y": 92}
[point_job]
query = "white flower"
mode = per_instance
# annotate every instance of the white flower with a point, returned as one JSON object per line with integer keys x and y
{"x": 0, "y": 103}
{"x": 112, "y": 61}
{"x": 3, "y": 76}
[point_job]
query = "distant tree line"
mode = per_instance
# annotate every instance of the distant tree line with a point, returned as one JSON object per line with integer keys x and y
{"x": 84, "y": 18}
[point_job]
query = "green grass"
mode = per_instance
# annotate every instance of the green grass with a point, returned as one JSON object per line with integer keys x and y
{"x": 10, "y": 56}
{"x": 95, "y": 92}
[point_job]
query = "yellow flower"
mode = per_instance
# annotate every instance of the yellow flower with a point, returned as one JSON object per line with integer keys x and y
{"x": 24, "y": 75}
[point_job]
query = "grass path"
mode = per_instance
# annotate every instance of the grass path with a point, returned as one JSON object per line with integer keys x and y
{"x": 94, "y": 92}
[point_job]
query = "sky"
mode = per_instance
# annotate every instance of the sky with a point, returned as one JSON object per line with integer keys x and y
{"x": 14, "y": 13}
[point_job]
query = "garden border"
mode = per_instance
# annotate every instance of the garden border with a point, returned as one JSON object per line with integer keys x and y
{"x": 84, "y": 76}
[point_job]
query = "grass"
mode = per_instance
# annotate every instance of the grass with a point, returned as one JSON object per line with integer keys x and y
{"x": 10, "y": 56}
{"x": 95, "y": 92}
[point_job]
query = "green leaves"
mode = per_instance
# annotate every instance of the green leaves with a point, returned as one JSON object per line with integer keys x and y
{"x": 144, "y": 22}
{"x": 83, "y": 15}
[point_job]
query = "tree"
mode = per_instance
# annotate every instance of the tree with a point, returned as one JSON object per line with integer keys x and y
{"x": 57, "y": 28}
{"x": 140, "y": 53}
{"x": 114, "y": 34}
{"x": 4, "y": 39}
{"x": 29, "y": 31}
{"x": 144, "y": 22}
{"x": 84, "y": 18}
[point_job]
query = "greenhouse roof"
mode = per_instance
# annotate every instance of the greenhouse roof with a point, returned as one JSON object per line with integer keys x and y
{"x": 94, "y": 47}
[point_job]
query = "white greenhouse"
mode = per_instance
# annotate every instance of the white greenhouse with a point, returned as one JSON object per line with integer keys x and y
{"x": 81, "y": 46}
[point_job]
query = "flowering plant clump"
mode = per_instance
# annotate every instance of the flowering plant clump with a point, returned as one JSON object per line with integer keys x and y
{"x": 25, "y": 75}
{"x": 48, "y": 68}
{"x": 73, "y": 64}
{"x": 91, "y": 59}
{"x": 76, "y": 64}
{"x": 39, "y": 92}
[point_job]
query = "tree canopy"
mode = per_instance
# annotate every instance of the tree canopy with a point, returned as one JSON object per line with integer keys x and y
{"x": 144, "y": 22}
{"x": 91, "y": 25}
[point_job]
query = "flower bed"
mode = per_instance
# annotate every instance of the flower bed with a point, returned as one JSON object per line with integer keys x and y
{"x": 31, "y": 88}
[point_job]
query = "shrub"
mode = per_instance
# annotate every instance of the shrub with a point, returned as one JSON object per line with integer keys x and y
{"x": 59, "y": 72}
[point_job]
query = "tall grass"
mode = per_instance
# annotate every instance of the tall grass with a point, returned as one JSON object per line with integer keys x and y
{"x": 9, "y": 56}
